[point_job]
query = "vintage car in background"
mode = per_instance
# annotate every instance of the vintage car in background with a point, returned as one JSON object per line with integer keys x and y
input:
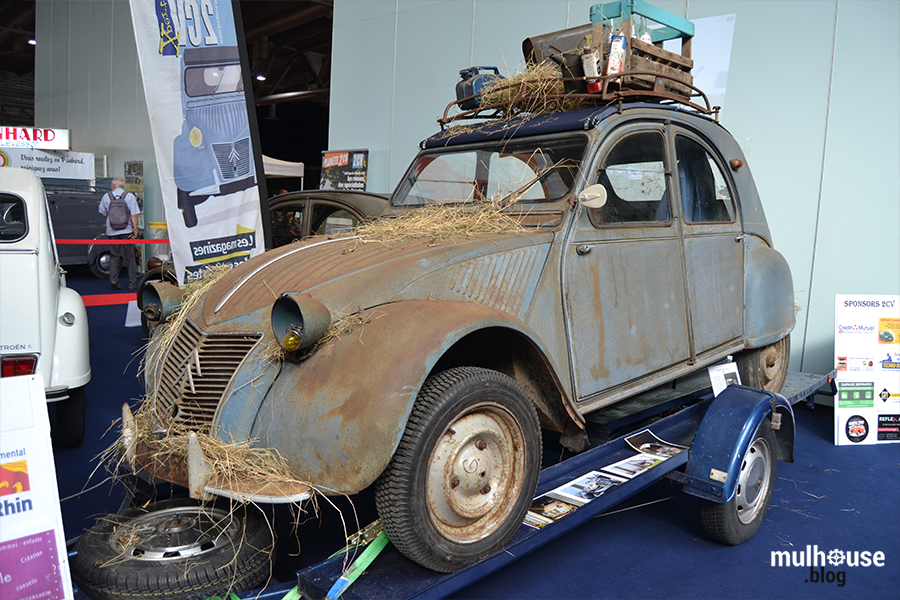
{"x": 73, "y": 213}
{"x": 212, "y": 156}
{"x": 642, "y": 255}
{"x": 299, "y": 215}
{"x": 43, "y": 323}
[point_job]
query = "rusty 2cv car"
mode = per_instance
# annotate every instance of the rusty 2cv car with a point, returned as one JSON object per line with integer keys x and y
{"x": 645, "y": 255}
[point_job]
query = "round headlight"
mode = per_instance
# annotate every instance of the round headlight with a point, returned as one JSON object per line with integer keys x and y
{"x": 196, "y": 137}
{"x": 291, "y": 341}
{"x": 298, "y": 321}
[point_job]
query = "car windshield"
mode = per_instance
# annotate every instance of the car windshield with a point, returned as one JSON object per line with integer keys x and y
{"x": 535, "y": 171}
{"x": 213, "y": 79}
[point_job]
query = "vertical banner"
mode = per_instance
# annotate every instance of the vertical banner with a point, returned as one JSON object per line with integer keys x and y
{"x": 33, "y": 559}
{"x": 344, "y": 170}
{"x": 194, "y": 86}
{"x": 867, "y": 358}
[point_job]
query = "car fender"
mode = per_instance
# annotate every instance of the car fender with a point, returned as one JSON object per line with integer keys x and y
{"x": 768, "y": 294}
{"x": 338, "y": 416}
{"x": 71, "y": 351}
{"x": 726, "y": 432}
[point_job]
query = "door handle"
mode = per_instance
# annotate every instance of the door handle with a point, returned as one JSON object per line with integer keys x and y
{"x": 582, "y": 249}
{"x": 739, "y": 237}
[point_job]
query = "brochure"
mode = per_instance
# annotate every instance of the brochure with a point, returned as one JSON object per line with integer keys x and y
{"x": 721, "y": 376}
{"x": 545, "y": 509}
{"x": 646, "y": 442}
{"x": 633, "y": 465}
{"x": 587, "y": 487}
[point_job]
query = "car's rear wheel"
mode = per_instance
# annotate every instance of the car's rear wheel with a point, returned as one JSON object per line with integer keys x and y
{"x": 465, "y": 472}
{"x": 736, "y": 521}
{"x": 765, "y": 368}
{"x": 176, "y": 549}
{"x": 68, "y": 432}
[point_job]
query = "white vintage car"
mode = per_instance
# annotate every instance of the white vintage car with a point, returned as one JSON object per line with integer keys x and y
{"x": 43, "y": 323}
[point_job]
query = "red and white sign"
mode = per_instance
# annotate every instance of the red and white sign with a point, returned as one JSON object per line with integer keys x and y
{"x": 34, "y": 137}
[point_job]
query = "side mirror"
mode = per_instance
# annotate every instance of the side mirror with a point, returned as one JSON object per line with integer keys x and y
{"x": 593, "y": 196}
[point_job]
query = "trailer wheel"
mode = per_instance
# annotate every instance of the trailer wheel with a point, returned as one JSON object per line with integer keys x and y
{"x": 765, "y": 368}
{"x": 177, "y": 549}
{"x": 464, "y": 474}
{"x": 735, "y": 522}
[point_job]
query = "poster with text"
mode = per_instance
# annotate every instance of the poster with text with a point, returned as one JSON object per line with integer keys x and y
{"x": 344, "y": 170}
{"x": 194, "y": 88}
{"x": 33, "y": 559}
{"x": 867, "y": 359}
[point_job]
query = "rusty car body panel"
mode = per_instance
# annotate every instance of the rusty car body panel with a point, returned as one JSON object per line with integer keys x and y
{"x": 580, "y": 312}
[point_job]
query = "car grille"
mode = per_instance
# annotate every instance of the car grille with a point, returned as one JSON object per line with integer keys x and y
{"x": 233, "y": 159}
{"x": 197, "y": 370}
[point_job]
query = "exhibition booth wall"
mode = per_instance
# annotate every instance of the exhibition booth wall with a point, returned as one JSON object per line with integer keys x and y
{"x": 818, "y": 121}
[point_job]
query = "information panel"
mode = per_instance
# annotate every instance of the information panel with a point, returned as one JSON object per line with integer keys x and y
{"x": 33, "y": 561}
{"x": 867, "y": 358}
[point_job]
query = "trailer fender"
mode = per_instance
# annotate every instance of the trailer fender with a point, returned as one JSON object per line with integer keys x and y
{"x": 725, "y": 434}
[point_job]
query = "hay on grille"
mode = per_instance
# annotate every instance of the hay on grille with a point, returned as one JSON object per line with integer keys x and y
{"x": 536, "y": 89}
{"x": 194, "y": 291}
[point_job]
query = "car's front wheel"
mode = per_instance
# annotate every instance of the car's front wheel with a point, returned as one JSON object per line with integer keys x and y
{"x": 465, "y": 472}
{"x": 765, "y": 368}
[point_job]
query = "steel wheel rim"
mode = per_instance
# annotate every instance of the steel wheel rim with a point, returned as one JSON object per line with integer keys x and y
{"x": 174, "y": 533}
{"x": 753, "y": 482}
{"x": 772, "y": 362}
{"x": 475, "y": 473}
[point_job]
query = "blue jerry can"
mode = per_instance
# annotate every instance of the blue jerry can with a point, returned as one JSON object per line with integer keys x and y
{"x": 474, "y": 80}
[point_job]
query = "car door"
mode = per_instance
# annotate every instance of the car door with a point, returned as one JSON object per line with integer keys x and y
{"x": 713, "y": 245}
{"x": 623, "y": 277}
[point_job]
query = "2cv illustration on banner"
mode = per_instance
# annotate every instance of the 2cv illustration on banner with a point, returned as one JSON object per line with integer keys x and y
{"x": 193, "y": 81}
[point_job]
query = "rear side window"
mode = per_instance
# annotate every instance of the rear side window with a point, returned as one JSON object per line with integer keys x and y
{"x": 705, "y": 197}
{"x": 13, "y": 224}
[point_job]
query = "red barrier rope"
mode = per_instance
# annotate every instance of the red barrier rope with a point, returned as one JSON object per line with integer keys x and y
{"x": 108, "y": 241}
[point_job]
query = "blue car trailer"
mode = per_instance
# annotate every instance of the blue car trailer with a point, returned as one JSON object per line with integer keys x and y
{"x": 717, "y": 432}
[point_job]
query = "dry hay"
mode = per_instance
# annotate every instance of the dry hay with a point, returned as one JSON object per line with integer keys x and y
{"x": 438, "y": 222}
{"x": 231, "y": 461}
{"x": 536, "y": 89}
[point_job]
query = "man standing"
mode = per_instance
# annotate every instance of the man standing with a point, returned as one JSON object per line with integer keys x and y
{"x": 121, "y": 211}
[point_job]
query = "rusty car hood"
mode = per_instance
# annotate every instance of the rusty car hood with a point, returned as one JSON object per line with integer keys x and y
{"x": 347, "y": 274}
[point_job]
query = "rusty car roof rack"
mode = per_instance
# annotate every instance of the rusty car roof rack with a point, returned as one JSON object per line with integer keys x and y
{"x": 614, "y": 88}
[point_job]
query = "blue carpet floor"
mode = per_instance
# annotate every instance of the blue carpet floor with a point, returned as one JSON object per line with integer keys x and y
{"x": 845, "y": 499}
